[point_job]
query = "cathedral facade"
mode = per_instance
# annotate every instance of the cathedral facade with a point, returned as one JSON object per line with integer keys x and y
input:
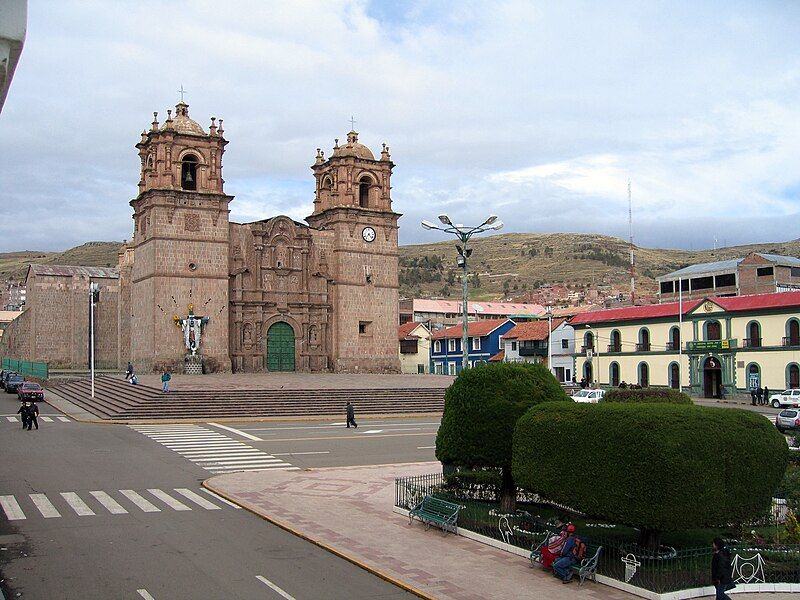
{"x": 272, "y": 295}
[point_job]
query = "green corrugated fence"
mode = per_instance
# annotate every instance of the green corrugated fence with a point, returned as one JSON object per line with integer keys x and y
{"x": 26, "y": 367}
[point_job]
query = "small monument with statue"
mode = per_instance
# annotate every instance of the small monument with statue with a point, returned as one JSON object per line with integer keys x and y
{"x": 192, "y": 327}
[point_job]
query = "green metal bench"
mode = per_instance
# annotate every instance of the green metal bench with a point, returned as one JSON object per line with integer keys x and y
{"x": 434, "y": 511}
{"x": 536, "y": 549}
{"x": 588, "y": 566}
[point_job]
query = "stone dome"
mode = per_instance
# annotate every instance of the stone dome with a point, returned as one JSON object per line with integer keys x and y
{"x": 354, "y": 148}
{"x": 182, "y": 123}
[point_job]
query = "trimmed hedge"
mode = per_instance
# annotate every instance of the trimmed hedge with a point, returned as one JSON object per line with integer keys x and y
{"x": 658, "y": 467}
{"x": 669, "y": 396}
{"x": 482, "y": 406}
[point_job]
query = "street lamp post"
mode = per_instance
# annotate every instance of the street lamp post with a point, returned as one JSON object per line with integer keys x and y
{"x": 596, "y": 351}
{"x": 94, "y": 297}
{"x": 464, "y": 233}
{"x": 549, "y": 313}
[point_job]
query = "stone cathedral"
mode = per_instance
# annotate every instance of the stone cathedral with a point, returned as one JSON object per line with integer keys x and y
{"x": 272, "y": 295}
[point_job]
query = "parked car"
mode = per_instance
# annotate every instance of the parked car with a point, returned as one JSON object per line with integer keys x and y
{"x": 30, "y": 391}
{"x": 591, "y": 396}
{"x": 13, "y": 382}
{"x": 4, "y": 377}
{"x": 788, "y": 419}
{"x": 786, "y": 399}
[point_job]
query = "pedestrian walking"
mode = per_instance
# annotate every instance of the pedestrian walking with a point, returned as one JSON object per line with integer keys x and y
{"x": 766, "y": 395}
{"x": 721, "y": 571}
{"x": 129, "y": 372}
{"x": 23, "y": 413}
{"x": 33, "y": 412}
{"x": 760, "y": 394}
{"x": 753, "y": 396}
{"x": 165, "y": 378}
{"x": 351, "y": 415}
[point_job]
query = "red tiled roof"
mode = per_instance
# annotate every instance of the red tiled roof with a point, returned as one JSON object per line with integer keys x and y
{"x": 633, "y": 313}
{"x": 477, "y": 308}
{"x": 499, "y": 357}
{"x": 758, "y": 301}
{"x": 406, "y": 328}
{"x": 535, "y": 330}
{"x": 474, "y": 329}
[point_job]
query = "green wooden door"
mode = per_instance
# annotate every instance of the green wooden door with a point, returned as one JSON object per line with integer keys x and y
{"x": 280, "y": 347}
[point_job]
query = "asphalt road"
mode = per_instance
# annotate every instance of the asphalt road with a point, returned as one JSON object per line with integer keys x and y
{"x": 108, "y": 511}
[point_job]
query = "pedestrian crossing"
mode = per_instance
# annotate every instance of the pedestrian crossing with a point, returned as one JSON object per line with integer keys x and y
{"x": 42, "y": 418}
{"x": 212, "y": 450}
{"x": 99, "y": 502}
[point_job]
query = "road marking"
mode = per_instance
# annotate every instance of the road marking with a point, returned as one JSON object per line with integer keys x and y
{"x": 237, "y": 432}
{"x": 358, "y": 436}
{"x": 245, "y": 462}
{"x": 109, "y": 503}
{"x": 234, "y": 468}
{"x": 12, "y": 419}
{"x": 145, "y": 594}
{"x": 274, "y": 587}
{"x": 139, "y": 501}
{"x": 168, "y": 500}
{"x": 12, "y": 508}
{"x": 372, "y": 431}
{"x": 75, "y": 503}
{"x": 426, "y": 447}
{"x": 233, "y": 457}
{"x": 331, "y": 426}
{"x": 220, "y": 498}
{"x": 46, "y": 419}
{"x": 45, "y": 506}
{"x": 189, "y": 494}
{"x": 299, "y": 453}
{"x": 63, "y": 419}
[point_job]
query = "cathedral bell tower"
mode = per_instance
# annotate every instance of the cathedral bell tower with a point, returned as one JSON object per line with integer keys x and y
{"x": 180, "y": 243}
{"x": 353, "y": 201}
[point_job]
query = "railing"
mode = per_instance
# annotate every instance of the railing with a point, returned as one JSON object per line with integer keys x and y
{"x": 672, "y": 346}
{"x": 614, "y": 348}
{"x": 585, "y": 348}
{"x": 532, "y": 350}
{"x": 643, "y": 347}
{"x": 26, "y": 367}
{"x": 752, "y": 342}
{"x": 790, "y": 341}
{"x": 409, "y": 491}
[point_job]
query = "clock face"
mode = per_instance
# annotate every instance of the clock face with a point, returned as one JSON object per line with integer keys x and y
{"x": 368, "y": 234}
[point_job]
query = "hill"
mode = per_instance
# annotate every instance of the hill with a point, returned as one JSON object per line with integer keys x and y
{"x": 515, "y": 264}
{"x": 14, "y": 265}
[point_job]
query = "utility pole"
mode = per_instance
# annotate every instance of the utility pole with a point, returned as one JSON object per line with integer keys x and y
{"x": 94, "y": 296}
{"x": 630, "y": 238}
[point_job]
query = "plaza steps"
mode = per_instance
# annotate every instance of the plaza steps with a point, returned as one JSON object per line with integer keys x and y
{"x": 116, "y": 399}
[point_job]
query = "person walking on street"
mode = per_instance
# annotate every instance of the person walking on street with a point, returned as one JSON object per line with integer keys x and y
{"x": 165, "y": 381}
{"x": 33, "y": 412}
{"x": 23, "y": 413}
{"x": 766, "y": 395}
{"x": 351, "y": 415}
{"x": 721, "y": 571}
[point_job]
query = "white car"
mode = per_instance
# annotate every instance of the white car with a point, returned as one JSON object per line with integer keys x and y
{"x": 786, "y": 399}
{"x": 591, "y": 396}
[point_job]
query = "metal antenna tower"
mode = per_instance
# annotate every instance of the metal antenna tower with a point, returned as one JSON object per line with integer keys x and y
{"x": 630, "y": 239}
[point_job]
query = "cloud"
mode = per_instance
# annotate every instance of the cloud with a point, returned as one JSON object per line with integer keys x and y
{"x": 537, "y": 112}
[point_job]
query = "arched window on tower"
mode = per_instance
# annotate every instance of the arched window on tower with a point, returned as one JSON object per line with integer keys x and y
{"x": 363, "y": 191}
{"x": 189, "y": 172}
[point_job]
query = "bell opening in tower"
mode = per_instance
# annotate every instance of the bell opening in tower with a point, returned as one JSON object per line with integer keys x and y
{"x": 363, "y": 192}
{"x": 189, "y": 172}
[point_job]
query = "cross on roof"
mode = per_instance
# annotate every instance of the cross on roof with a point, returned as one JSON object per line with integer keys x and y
{"x": 181, "y": 92}
{"x": 352, "y": 123}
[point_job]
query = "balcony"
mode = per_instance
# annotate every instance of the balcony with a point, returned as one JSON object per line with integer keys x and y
{"x": 585, "y": 348}
{"x": 614, "y": 348}
{"x": 643, "y": 347}
{"x": 790, "y": 341}
{"x": 526, "y": 349}
{"x": 751, "y": 342}
{"x": 672, "y": 346}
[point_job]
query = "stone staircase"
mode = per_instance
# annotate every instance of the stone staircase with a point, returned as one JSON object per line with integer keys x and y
{"x": 116, "y": 399}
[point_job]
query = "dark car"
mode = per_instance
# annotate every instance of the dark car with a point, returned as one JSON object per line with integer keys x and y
{"x": 4, "y": 377}
{"x": 30, "y": 391}
{"x": 788, "y": 419}
{"x": 13, "y": 382}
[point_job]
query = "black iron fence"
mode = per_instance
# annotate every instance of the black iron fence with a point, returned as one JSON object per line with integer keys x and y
{"x": 670, "y": 569}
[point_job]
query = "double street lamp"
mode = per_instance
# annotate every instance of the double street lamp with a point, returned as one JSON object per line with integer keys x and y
{"x": 464, "y": 233}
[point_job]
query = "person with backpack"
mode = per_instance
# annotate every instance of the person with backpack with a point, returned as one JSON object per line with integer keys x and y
{"x": 572, "y": 553}
{"x": 552, "y": 549}
{"x": 721, "y": 570}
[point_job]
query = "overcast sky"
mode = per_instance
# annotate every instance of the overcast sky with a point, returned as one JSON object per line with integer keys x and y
{"x": 538, "y": 112}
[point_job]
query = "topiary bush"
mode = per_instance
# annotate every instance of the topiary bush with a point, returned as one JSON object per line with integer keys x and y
{"x": 657, "y": 467}
{"x": 481, "y": 408}
{"x": 668, "y": 396}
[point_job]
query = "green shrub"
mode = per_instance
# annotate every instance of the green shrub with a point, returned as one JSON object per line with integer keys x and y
{"x": 668, "y": 396}
{"x": 658, "y": 467}
{"x": 481, "y": 408}
{"x": 789, "y": 487}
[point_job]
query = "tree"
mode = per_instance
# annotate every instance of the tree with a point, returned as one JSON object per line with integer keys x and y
{"x": 481, "y": 408}
{"x": 657, "y": 467}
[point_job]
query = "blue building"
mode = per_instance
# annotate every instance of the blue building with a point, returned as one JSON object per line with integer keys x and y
{"x": 485, "y": 341}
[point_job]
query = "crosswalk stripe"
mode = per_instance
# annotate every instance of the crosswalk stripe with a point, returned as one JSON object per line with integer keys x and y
{"x": 220, "y": 498}
{"x": 63, "y": 419}
{"x": 114, "y": 507}
{"x": 12, "y": 508}
{"x": 12, "y": 419}
{"x": 140, "y": 501}
{"x": 46, "y": 419}
{"x": 252, "y": 466}
{"x": 45, "y": 506}
{"x": 215, "y": 456}
{"x": 190, "y": 453}
{"x": 243, "y": 461}
{"x": 168, "y": 500}
{"x": 186, "y": 493}
{"x": 205, "y": 445}
{"x": 75, "y": 503}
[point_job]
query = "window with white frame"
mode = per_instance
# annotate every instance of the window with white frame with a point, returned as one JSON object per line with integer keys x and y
{"x": 451, "y": 368}
{"x": 439, "y": 368}
{"x": 514, "y": 345}
{"x": 437, "y": 346}
{"x": 451, "y": 346}
{"x": 476, "y": 343}
{"x": 564, "y": 343}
